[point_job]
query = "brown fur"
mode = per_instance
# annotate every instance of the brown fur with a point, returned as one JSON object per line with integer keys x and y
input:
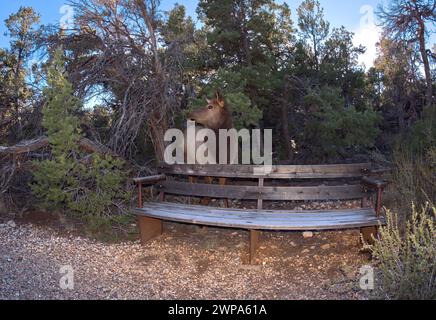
{"x": 215, "y": 115}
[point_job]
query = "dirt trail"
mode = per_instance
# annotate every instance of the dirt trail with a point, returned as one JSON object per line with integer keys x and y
{"x": 187, "y": 262}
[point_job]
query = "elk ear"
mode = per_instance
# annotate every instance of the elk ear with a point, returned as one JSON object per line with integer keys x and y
{"x": 208, "y": 101}
{"x": 220, "y": 98}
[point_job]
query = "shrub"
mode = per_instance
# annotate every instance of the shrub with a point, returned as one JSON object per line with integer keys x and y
{"x": 414, "y": 163}
{"x": 331, "y": 130}
{"x": 92, "y": 187}
{"x": 100, "y": 187}
{"x": 413, "y": 176}
{"x": 407, "y": 258}
{"x": 54, "y": 176}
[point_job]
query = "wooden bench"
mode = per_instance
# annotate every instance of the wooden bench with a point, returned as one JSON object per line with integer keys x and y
{"x": 246, "y": 182}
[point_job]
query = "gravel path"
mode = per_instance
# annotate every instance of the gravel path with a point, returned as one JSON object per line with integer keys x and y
{"x": 187, "y": 262}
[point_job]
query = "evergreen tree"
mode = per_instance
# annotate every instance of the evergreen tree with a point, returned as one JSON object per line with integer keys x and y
{"x": 15, "y": 93}
{"x": 54, "y": 176}
{"x": 313, "y": 28}
{"x": 90, "y": 188}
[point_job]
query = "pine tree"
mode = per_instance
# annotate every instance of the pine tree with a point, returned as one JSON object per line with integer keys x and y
{"x": 55, "y": 175}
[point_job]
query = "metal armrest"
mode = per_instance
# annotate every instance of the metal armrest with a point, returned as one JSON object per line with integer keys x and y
{"x": 150, "y": 180}
{"x": 374, "y": 183}
{"x": 379, "y": 186}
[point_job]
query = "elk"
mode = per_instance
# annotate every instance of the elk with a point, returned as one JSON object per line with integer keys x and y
{"x": 215, "y": 116}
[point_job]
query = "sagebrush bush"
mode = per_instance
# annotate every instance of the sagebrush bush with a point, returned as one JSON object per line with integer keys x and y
{"x": 406, "y": 257}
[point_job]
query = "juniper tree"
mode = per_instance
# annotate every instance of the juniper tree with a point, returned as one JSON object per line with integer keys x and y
{"x": 91, "y": 186}
{"x": 55, "y": 175}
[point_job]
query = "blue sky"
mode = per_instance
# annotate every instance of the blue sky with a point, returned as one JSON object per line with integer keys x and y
{"x": 355, "y": 15}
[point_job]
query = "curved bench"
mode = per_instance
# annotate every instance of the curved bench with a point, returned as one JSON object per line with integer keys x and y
{"x": 281, "y": 183}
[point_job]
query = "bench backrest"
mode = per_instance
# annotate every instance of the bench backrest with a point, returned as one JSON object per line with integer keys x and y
{"x": 296, "y": 182}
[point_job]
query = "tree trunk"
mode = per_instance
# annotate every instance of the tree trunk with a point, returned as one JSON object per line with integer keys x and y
{"x": 425, "y": 61}
{"x": 285, "y": 124}
{"x": 244, "y": 34}
{"x": 158, "y": 123}
{"x": 157, "y": 133}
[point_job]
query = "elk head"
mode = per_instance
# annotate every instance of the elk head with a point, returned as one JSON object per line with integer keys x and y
{"x": 215, "y": 115}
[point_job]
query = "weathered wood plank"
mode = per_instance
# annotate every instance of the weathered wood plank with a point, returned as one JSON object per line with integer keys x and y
{"x": 234, "y": 213}
{"x": 261, "y": 219}
{"x": 342, "y": 192}
{"x": 149, "y": 228}
{"x": 254, "y": 244}
{"x": 278, "y": 172}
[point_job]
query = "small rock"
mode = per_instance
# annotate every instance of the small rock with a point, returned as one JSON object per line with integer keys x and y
{"x": 307, "y": 234}
{"x": 325, "y": 246}
{"x": 312, "y": 248}
{"x": 305, "y": 251}
{"x": 11, "y": 224}
{"x": 293, "y": 244}
{"x": 250, "y": 267}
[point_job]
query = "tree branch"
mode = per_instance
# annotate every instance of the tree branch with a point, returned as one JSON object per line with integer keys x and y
{"x": 85, "y": 145}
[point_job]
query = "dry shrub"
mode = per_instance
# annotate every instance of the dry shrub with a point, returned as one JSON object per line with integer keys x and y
{"x": 406, "y": 257}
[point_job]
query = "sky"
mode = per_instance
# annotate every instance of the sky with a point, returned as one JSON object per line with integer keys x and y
{"x": 356, "y": 15}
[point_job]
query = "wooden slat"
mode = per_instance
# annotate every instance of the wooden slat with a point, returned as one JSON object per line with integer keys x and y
{"x": 278, "y": 172}
{"x": 342, "y": 192}
{"x": 261, "y": 219}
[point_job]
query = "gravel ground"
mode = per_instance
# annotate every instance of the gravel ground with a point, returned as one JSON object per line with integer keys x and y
{"x": 187, "y": 262}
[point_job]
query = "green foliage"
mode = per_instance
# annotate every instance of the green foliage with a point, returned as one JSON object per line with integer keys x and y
{"x": 248, "y": 41}
{"x": 406, "y": 261}
{"x": 331, "y": 130}
{"x": 313, "y": 27}
{"x": 55, "y": 175}
{"x": 15, "y": 92}
{"x": 423, "y": 133}
{"x": 88, "y": 186}
{"x": 101, "y": 187}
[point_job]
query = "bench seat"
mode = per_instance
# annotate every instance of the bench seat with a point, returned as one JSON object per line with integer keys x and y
{"x": 252, "y": 219}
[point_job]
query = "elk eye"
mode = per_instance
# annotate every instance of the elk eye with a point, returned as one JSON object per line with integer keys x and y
{"x": 210, "y": 107}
